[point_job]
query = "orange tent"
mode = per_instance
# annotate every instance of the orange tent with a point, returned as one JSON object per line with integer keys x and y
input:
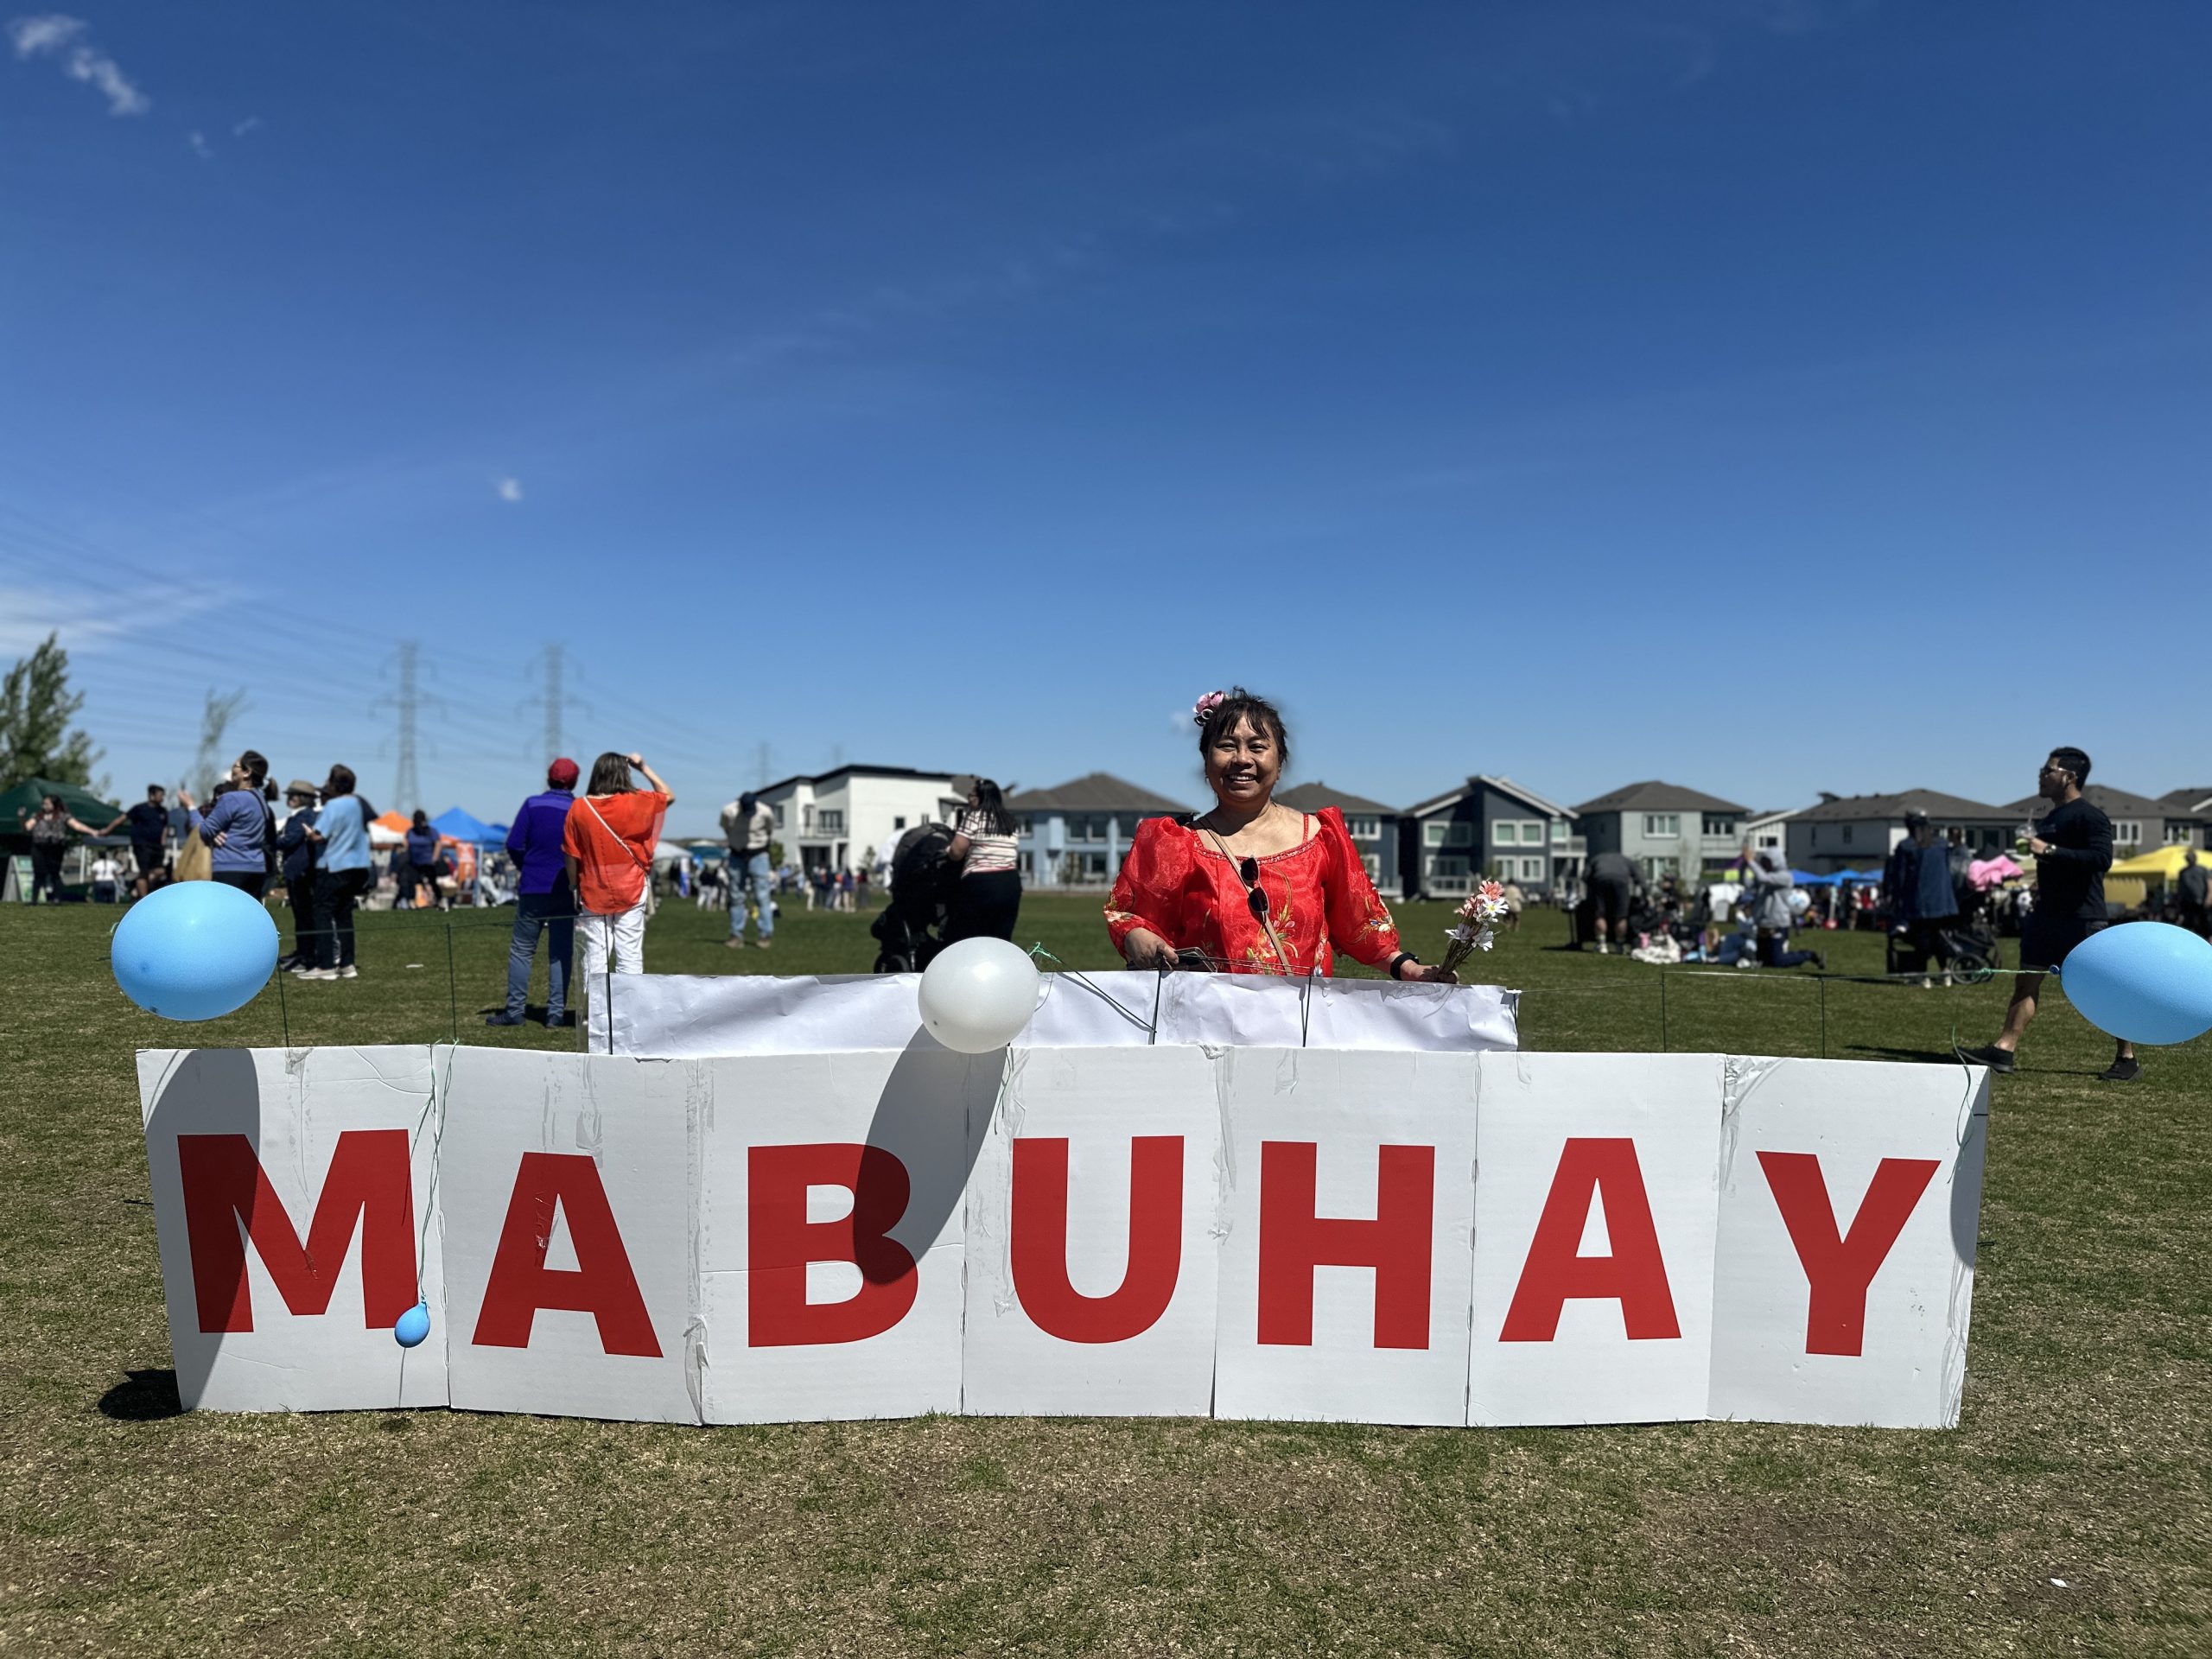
{"x": 398, "y": 822}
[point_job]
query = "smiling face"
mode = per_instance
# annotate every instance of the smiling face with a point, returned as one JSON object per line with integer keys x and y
{"x": 1242, "y": 763}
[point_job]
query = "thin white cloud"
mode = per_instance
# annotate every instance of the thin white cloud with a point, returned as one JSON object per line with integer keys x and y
{"x": 33, "y": 36}
{"x": 54, "y": 34}
{"x": 200, "y": 147}
{"x": 510, "y": 489}
{"x": 87, "y": 621}
{"x": 252, "y": 123}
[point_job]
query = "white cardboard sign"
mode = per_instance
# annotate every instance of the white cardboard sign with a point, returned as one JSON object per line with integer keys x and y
{"x": 680, "y": 1016}
{"x": 293, "y": 1196}
{"x": 1091, "y": 1225}
{"x": 1334, "y": 1234}
{"x": 1345, "y": 1266}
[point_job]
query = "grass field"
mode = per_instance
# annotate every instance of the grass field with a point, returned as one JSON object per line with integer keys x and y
{"x": 2085, "y": 1455}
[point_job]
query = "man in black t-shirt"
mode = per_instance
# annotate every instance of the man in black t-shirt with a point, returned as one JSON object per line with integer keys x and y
{"x": 2072, "y": 845}
{"x": 149, "y": 830}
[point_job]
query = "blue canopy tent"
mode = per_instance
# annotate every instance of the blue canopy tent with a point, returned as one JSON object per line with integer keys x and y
{"x": 462, "y": 825}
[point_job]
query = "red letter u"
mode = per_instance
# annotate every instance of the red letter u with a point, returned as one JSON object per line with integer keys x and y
{"x": 1038, "y": 1245}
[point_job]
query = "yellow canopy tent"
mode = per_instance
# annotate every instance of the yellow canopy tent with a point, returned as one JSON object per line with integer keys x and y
{"x": 2163, "y": 864}
{"x": 2130, "y": 881}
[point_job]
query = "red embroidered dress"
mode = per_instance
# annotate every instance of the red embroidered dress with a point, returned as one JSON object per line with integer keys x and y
{"x": 1176, "y": 883}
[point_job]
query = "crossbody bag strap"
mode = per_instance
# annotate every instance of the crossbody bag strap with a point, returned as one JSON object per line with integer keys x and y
{"x": 1267, "y": 921}
{"x": 619, "y": 842}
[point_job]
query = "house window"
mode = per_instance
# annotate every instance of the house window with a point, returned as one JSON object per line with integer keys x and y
{"x": 1658, "y": 826}
{"x": 1460, "y": 833}
{"x": 1374, "y": 866}
{"x": 1559, "y": 829}
{"x": 1532, "y": 869}
{"x": 1448, "y": 866}
{"x": 1511, "y": 832}
{"x": 2180, "y": 835}
{"x": 898, "y": 823}
{"x": 2127, "y": 832}
{"x": 1719, "y": 826}
{"x": 1432, "y": 833}
{"x": 1365, "y": 827}
{"x": 832, "y": 821}
{"x": 1846, "y": 835}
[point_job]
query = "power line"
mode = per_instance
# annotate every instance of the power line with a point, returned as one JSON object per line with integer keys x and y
{"x": 406, "y": 703}
{"x": 554, "y": 700}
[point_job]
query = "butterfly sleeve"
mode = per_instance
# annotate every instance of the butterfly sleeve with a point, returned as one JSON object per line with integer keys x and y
{"x": 1359, "y": 926}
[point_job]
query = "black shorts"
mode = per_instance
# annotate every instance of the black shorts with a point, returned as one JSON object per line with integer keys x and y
{"x": 1610, "y": 897}
{"x": 2045, "y": 940}
{"x": 148, "y": 857}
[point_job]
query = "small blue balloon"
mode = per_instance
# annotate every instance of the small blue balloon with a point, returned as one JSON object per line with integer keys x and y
{"x": 193, "y": 950}
{"x": 2142, "y": 982}
{"x": 412, "y": 1326}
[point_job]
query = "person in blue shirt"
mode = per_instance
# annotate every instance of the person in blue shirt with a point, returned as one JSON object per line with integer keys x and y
{"x": 341, "y": 835}
{"x": 422, "y": 863}
{"x": 543, "y": 903}
{"x": 238, "y": 825}
{"x": 297, "y": 861}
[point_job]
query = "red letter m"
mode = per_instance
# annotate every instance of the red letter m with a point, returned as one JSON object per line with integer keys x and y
{"x": 367, "y": 1184}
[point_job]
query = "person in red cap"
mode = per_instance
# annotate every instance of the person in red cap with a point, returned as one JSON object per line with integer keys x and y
{"x": 544, "y": 902}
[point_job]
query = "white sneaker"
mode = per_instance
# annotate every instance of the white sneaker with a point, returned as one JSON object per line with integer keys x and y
{"x": 349, "y": 971}
{"x": 318, "y": 973}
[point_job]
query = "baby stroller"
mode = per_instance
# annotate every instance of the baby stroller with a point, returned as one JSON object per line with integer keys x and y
{"x": 1970, "y": 942}
{"x": 911, "y": 930}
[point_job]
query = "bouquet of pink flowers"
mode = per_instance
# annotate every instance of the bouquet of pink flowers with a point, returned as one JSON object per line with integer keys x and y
{"x": 1478, "y": 925}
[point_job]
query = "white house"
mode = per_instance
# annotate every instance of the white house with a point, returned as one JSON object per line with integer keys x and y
{"x": 1768, "y": 832}
{"x": 848, "y": 817}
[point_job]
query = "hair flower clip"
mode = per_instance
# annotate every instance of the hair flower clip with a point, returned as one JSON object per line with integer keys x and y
{"x": 1206, "y": 705}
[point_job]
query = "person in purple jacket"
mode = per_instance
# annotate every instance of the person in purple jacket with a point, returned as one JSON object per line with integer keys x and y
{"x": 238, "y": 825}
{"x": 543, "y": 903}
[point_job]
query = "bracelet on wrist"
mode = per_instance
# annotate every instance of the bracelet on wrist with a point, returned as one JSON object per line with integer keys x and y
{"x": 1400, "y": 960}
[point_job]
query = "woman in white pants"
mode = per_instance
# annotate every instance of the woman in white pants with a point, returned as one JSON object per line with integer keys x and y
{"x": 608, "y": 844}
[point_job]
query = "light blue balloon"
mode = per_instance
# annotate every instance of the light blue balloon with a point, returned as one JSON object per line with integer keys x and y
{"x": 193, "y": 950}
{"x": 2142, "y": 982}
{"x": 412, "y": 1326}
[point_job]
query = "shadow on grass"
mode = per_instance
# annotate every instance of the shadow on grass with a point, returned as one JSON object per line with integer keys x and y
{"x": 1934, "y": 1056}
{"x": 143, "y": 1397}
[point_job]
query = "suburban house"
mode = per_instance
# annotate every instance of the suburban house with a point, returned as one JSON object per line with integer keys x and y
{"x": 1768, "y": 832}
{"x": 846, "y": 818}
{"x": 1855, "y": 832}
{"x": 2139, "y": 825}
{"x": 1373, "y": 826}
{"x": 1489, "y": 826}
{"x": 2194, "y": 805}
{"x": 1664, "y": 828}
{"x": 1075, "y": 834}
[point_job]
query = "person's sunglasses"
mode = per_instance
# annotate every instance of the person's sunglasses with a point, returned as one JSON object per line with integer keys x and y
{"x": 1255, "y": 898}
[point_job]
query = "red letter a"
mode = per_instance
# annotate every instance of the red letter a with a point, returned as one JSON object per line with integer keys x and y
{"x": 1038, "y": 1245}
{"x": 1839, "y": 1269}
{"x": 1634, "y": 1274}
{"x": 781, "y": 1241}
{"x": 1294, "y": 1241}
{"x": 601, "y": 1283}
{"x": 367, "y": 1182}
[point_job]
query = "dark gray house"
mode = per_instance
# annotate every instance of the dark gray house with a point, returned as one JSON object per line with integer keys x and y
{"x": 1075, "y": 834}
{"x": 2190, "y": 807}
{"x": 2139, "y": 825}
{"x": 1374, "y": 827}
{"x": 1487, "y": 826}
{"x": 1664, "y": 828}
{"x": 1855, "y": 832}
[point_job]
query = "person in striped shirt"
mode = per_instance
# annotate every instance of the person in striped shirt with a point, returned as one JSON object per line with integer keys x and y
{"x": 989, "y": 898}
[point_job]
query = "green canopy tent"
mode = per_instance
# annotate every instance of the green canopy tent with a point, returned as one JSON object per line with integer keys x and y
{"x": 83, "y": 804}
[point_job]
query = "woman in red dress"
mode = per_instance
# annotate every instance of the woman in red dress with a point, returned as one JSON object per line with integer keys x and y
{"x": 1251, "y": 887}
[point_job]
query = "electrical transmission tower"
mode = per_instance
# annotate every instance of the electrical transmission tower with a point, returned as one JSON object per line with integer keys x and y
{"x": 554, "y": 700}
{"x": 407, "y": 704}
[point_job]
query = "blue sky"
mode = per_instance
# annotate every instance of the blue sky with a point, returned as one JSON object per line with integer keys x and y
{"x": 1770, "y": 395}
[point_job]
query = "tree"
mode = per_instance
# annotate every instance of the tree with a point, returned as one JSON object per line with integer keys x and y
{"x": 210, "y": 763}
{"x": 36, "y": 740}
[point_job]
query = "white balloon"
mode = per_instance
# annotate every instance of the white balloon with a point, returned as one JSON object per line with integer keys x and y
{"x": 977, "y": 994}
